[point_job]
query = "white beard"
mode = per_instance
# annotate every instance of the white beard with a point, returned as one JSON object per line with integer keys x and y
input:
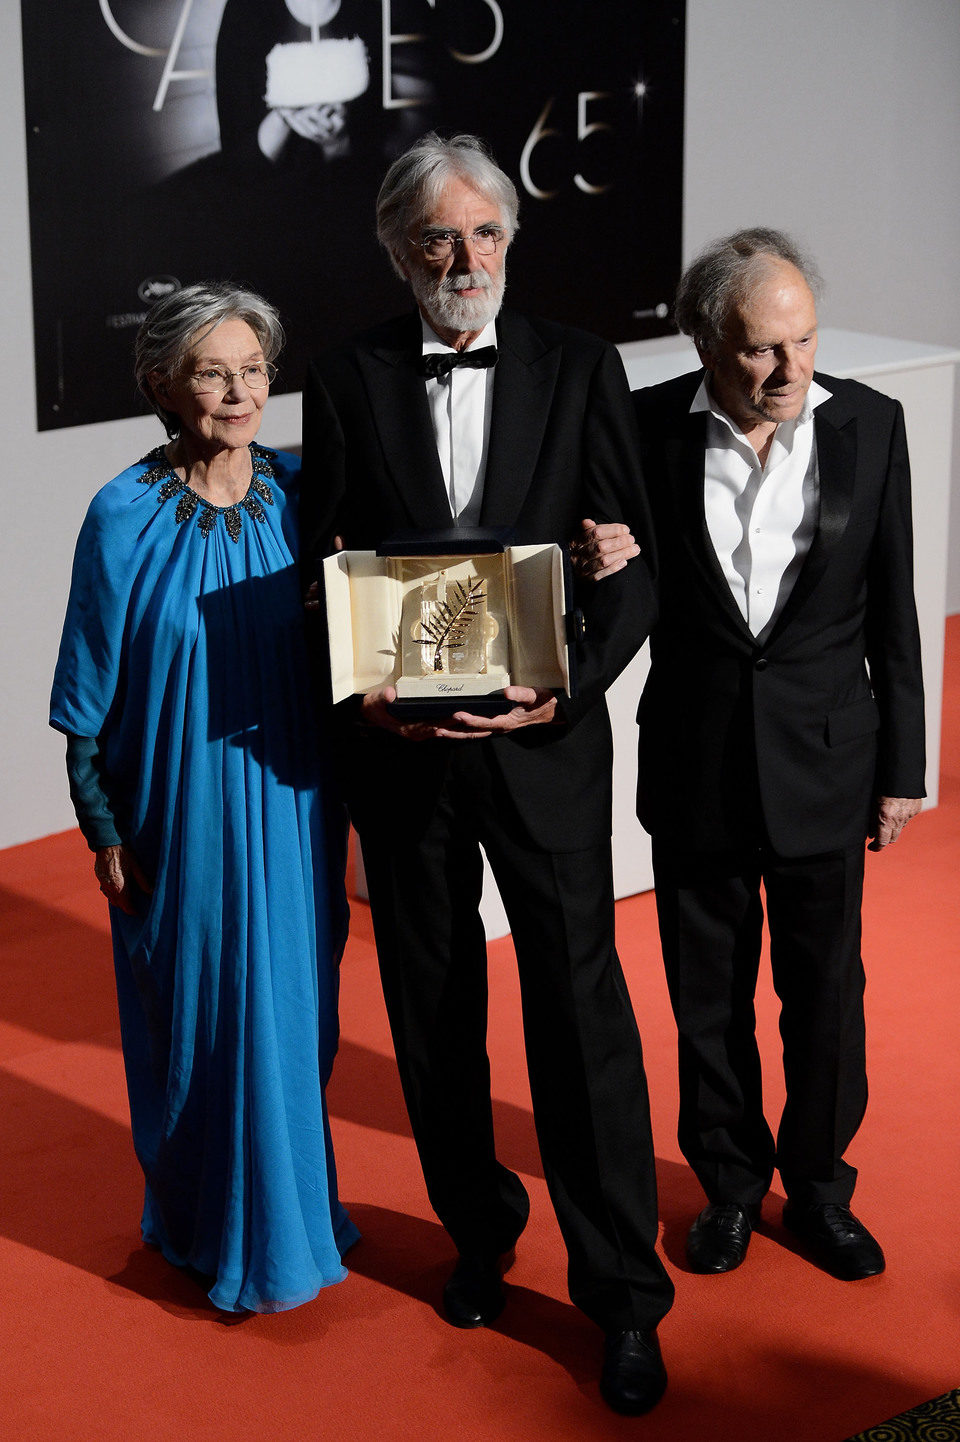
{"x": 444, "y": 306}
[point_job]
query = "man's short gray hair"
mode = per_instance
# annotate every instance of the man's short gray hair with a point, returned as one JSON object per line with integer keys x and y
{"x": 725, "y": 272}
{"x": 173, "y": 327}
{"x": 413, "y": 184}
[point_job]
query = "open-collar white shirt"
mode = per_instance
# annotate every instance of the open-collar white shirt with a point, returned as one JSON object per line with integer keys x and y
{"x": 761, "y": 518}
{"x": 461, "y": 404}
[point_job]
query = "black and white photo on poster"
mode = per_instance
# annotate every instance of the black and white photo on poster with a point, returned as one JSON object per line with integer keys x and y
{"x": 171, "y": 141}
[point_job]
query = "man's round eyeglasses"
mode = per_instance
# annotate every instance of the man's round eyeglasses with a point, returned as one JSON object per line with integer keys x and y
{"x": 440, "y": 244}
{"x": 216, "y": 380}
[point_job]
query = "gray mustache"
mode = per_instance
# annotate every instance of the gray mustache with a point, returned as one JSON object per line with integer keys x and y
{"x": 479, "y": 280}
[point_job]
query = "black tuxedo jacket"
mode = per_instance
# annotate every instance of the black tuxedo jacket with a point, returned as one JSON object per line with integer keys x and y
{"x": 824, "y": 710}
{"x": 562, "y": 446}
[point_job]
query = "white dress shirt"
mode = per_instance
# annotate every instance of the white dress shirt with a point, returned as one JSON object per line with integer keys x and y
{"x": 761, "y": 518}
{"x": 460, "y": 408}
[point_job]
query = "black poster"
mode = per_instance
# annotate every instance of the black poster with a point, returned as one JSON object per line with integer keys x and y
{"x": 171, "y": 141}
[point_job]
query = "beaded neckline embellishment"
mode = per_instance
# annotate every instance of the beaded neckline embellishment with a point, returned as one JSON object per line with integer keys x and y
{"x": 189, "y": 502}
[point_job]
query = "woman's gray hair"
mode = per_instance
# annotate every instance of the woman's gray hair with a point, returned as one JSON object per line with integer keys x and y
{"x": 173, "y": 327}
{"x": 413, "y": 184}
{"x": 725, "y": 272}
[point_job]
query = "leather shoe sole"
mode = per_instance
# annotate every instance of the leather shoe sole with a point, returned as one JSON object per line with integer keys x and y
{"x": 633, "y": 1378}
{"x": 473, "y": 1295}
{"x": 836, "y": 1239}
{"x": 718, "y": 1239}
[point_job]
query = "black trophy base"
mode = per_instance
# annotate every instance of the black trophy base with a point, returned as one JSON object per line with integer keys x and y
{"x": 425, "y": 708}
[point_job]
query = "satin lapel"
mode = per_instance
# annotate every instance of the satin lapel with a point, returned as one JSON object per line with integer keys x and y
{"x": 836, "y": 433}
{"x": 398, "y": 404}
{"x": 523, "y": 390}
{"x": 688, "y": 455}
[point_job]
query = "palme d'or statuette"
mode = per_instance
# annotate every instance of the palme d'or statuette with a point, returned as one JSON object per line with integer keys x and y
{"x": 452, "y": 628}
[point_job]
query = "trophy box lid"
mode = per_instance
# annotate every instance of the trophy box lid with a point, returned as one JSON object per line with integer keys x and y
{"x": 455, "y": 541}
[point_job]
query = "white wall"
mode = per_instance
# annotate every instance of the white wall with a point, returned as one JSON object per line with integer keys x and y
{"x": 836, "y": 119}
{"x": 839, "y": 121}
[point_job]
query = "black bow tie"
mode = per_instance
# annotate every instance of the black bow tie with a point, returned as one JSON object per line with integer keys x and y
{"x": 440, "y": 363}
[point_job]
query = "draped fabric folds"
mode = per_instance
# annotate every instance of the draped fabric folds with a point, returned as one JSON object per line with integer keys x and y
{"x": 183, "y": 652}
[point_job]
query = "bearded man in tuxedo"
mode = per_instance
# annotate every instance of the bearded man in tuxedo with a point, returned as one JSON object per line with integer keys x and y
{"x": 460, "y": 413}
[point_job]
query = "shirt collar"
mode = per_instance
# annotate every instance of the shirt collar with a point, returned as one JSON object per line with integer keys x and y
{"x": 432, "y": 342}
{"x": 703, "y": 401}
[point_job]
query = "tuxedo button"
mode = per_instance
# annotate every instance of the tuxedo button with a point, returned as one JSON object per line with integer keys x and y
{"x": 761, "y": 663}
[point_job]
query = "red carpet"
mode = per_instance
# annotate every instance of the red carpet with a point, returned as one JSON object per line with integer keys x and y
{"x": 101, "y": 1340}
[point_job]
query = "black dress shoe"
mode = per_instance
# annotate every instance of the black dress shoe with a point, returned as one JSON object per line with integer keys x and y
{"x": 473, "y": 1295}
{"x": 840, "y": 1243}
{"x": 633, "y": 1378}
{"x": 718, "y": 1239}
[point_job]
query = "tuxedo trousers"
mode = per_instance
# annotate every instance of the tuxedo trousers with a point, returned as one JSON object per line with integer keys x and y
{"x": 710, "y": 908}
{"x": 584, "y": 1058}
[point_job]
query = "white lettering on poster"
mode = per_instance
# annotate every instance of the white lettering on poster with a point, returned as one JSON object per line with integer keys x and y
{"x": 540, "y": 131}
{"x": 170, "y": 71}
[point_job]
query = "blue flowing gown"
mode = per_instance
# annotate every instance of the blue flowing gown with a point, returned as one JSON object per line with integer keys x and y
{"x": 183, "y": 651}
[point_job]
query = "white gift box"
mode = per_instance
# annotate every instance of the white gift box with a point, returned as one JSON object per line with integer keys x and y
{"x": 449, "y": 629}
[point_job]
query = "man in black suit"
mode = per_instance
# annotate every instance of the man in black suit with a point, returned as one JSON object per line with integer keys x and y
{"x": 781, "y": 724}
{"x": 460, "y": 413}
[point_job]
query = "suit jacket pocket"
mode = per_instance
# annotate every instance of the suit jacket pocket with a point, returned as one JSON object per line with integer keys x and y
{"x": 848, "y": 723}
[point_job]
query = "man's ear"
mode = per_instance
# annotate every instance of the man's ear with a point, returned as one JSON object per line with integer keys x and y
{"x": 707, "y": 357}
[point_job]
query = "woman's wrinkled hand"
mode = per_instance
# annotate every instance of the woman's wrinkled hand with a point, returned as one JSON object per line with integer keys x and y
{"x": 120, "y": 877}
{"x": 311, "y": 600}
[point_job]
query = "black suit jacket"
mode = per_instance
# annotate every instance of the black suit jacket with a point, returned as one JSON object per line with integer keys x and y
{"x": 562, "y": 446}
{"x": 822, "y": 711}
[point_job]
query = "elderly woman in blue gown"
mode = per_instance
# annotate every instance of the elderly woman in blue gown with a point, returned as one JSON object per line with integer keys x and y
{"x": 182, "y": 688}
